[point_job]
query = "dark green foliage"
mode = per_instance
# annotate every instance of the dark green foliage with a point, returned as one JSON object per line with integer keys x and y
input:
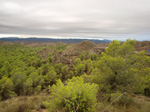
{"x": 18, "y": 80}
{"x": 65, "y": 72}
{"x": 5, "y": 69}
{"x": 44, "y": 69}
{"x": 79, "y": 69}
{"x": 6, "y": 87}
{"x": 50, "y": 58}
{"x": 88, "y": 66}
{"x": 114, "y": 73}
{"x": 58, "y": 68}
{"x": 51, "y": 77}
{"x": 120, "y": 69}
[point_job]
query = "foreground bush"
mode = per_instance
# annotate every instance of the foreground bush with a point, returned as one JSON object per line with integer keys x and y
{"x": 76, "y": 96}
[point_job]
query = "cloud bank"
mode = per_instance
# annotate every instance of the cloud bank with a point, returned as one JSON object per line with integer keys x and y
{"x": 108, "y": 19}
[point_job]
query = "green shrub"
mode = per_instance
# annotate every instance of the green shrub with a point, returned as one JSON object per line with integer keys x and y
{"x": 6, "y": 86}
{"x": 75, "y": 96}
{"x": 79, "y": 69}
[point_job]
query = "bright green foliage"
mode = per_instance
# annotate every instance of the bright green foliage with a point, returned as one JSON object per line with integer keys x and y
{"x": 113, "y": 48}
{"x": 127, "y": 48}
{"x": 76, "y": 96}
{"x": 116, "y": 49}
{"x": 6, "y": 87}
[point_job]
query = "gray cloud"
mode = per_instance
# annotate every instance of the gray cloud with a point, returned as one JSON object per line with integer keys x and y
{"x": 112, "y": 19}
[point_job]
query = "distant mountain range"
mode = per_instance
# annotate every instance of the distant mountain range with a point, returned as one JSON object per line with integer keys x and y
{"x": 45, "y": 40}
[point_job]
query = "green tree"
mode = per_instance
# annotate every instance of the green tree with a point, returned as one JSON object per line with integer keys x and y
{"x": 114, "y": 74}
{"x": 88, "y": 66}
{"x": 115, "y": 68}
{"x": 117, "y": 49}
{"x": 113, "y": 48}
{"x": 58, "y": 68}
{"x": 50, "y": 58}
{"x": 5, "y": 70}
{"x": 64, "y": 71}
{"x": 45, "y": 69}
{"x": 79, "y": 69}
{"x": 51, "y": 77}
{"x": 127, "y": 48}
{"x": 27, "y": 87}
{"x": 18, "y": 80}
{"x": 77, "y": 61}
{"x": 6, "y": 87}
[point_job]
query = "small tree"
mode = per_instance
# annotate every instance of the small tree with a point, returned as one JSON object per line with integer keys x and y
{"x": 76, "y": 96}
{"x": 79, "y": 69}
{"x": 114, "y": 74}
{"x": 18, "y": 80}
{"x": 51, "y": 77}
{"x": 115, "y": 66}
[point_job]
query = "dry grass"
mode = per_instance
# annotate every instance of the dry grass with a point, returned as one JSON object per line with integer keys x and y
{"x": 34, "y": 104}
{"x": 140, "y": 104}
{"x": 24, "y": 104}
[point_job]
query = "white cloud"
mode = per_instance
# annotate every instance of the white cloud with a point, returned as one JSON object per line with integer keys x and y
{"x": 76, "y": 18}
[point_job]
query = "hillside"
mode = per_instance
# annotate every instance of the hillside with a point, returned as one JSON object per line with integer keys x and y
{"x": 41, "y": 77}
{"x": 143, "y": 45}
{"x": 47, "y": 40}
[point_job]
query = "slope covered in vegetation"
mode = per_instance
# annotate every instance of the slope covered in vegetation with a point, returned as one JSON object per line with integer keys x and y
{"x": 117, "y": 80}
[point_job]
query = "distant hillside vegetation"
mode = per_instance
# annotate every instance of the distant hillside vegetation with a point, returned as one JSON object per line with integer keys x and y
{"x": 45, "y": 40}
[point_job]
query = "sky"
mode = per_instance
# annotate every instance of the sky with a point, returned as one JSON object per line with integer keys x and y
{"x": 99, "y": 19}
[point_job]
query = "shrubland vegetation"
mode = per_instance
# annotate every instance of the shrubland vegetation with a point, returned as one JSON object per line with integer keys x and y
{"x": 117, "y": 80}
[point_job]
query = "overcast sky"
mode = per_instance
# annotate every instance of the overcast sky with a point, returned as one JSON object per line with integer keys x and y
{"x": 103, "y": 19}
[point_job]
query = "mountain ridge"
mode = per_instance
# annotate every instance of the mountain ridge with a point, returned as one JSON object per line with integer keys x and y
{"x": 46, "y": 40}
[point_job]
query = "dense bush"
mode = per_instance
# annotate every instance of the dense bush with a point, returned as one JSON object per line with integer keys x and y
{"x": 76, "y": 96}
